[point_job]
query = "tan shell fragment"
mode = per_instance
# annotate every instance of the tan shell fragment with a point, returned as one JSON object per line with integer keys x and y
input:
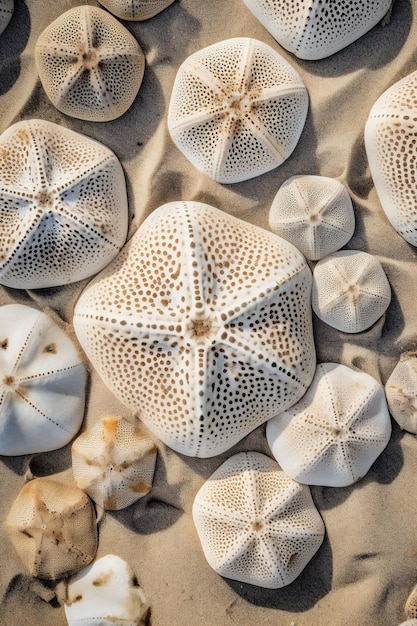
{"x": 401, "y": 392}
{"x": 411, "y": 605}
{"x": 237, "y": 109}
{"x": 52, "y": 526}
{"x": 114, "y": 462}
{"x": 90, "y": 65}
{"x": 6, "y": 12}
{"x": 314, "y": 213}
{"x": 256, "y": 524}
{"x": 135, "y": 10}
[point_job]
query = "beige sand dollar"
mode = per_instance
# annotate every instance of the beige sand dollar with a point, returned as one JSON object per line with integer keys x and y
{"x": 401, "y": 392}
{"x": 202, "y": 326}
{"x": 6, "y": 12}
{"x": 237, "y": 109}
{"x": 90, "y": 65}
{"x": 256, "y": 524}
{"x": 135, "y": 9}
{"x": 52, "y": 526}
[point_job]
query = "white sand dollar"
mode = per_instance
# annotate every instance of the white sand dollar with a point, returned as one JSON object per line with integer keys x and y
{"x": 89, "y": 64}
{"x": 52, "y": 526}
{"x": 333, "y": 435}
{"x": 6, "y": 12}
{"x": 401, "y": 392}
{"x": 350, "y": 290}
{"x": 114, "y": 462}
{"x": 237, "y": 109}
{"x": 42, "y": 383}
{"x": 314, "y": 30}
{"x": 390, "y": 146}
{"x": 135, "y": 10}
{"x": 315, "y": 213}
{"x": 106, "y": 593}
{"x": 203, "y": 338}
{"x": 63, "y": 206}
{"x": 256, "y": 524}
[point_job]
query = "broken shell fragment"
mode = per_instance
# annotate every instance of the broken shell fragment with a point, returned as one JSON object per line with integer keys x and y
{"x": 401, "y": 391}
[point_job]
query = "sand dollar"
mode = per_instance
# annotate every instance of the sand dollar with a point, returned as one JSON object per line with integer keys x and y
{"x": 135, "y": 10}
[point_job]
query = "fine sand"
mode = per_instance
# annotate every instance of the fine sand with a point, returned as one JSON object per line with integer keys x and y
{"x": 367, "y": 565}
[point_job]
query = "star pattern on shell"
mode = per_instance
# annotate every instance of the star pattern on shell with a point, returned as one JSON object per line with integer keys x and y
{"x": 314, "y": 213}
{"x": 53, "y": 528}
{"x": 42, "y": 383}
{"x": 6, "y": 12}
{"x": 107, "y": 593}
{"x": 114, "y": 462}
{"x": 315, "y": 30}
{"x": 201, "y": 337}
{"x": 333, "y": 435}
{"x": 89, "y": 64}
{"x": 350, "y": 290}
{"x": 401, "y": 392}
{"x": 237, "y": 109}
{"x": 255, "y": 524}
{"x": 63, "y": 206}
{"x": 390, "y": 146}
{"x": 135, "y": 10}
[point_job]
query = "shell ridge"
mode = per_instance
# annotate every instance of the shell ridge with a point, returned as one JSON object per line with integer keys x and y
{"x": 67, "y": 216}
{"x": 39, "y": 412}
{"x": 259, "y": 132}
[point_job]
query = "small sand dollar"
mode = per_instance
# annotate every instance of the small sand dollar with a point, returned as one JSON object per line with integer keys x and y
{"x": 114, "y": 462}
{"x": 63, "y": 206}
{"x": 314, "y": 30}
{"x": 52, "y": 526}
{"x": 256, "y": 524}
{"x": 106, "y": 593}
{"x": 350, "y": 290}
{"x": 42, "y": 383}
{"x": 391, "y": 149}
{"x": 333, "y": 435}
{"x": 89, "y": 64}
{"x": 237, "y": 109}
{"x": 135, "y": 10}
{"x": 6, "y": 12}
{"x": 401, "y": 391}
{"x": 315, "y": 213}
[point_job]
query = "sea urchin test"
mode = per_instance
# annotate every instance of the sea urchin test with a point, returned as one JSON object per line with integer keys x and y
{"x": 63, "y": 205}
{"x": 314, "y": 30}
{"x": 6, "y": 12}
{"x": 202, "y": 326}
{"x": 135, "y": 10}
{"x": 42, "y": 383}
{"x": 237, "y": 109}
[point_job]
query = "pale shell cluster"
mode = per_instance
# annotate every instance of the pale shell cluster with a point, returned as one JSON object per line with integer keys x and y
{"x": 401, "y": 391}
{"x": 6, "y": 12}
{"x": 135, "y": 9}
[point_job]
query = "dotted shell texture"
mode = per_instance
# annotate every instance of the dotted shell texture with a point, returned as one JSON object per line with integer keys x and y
{"x": 390, "y": 146}
{"x": 350, "y": 290}
{"x": 237, "y": 109}
{"x": 52, "y": 526}
{"x": 63, "y": 206}
{"x": 42, "y": 386}
{"x": 114, "y": 462}
{"x": 202, "y": 326}
{"x": 135, "y": 10}
{"x": 89, "y": 64}
{"x": 401, "y": 391}
{"x": 256, "y": 525}
{"x": 316, "y": 29}
{"x": 333, "y": 435}
{"x": 314, "y": 213}
{"x": 6, "y": 12}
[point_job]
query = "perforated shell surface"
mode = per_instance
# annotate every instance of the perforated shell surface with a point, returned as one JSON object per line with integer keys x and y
{"x": 63, "y": 205}
{"x": 237, "y": 109}
{"x": 390, "y": 146}
{"x": 202, "y": 326}
{"x": 135, "y": 9}
{"x": 256, "y": 524}
{"x": 89, "y": 64}
{"x": 315, "y": 29}
{"x": 6, "y": 12}
{"x": 401, "y": 392}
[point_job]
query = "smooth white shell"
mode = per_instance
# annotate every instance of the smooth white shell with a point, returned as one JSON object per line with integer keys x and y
{"x": 336, "y": 431}
{"x": 135, "y": 10}
{"x": 237, "y": 109}
{"x": 314, "y": 30}
{"x": 314, "y": 213}
{"x": 114, "y": 462}
{"x": 401, "y": 391}
{"x": 6, "y": 12}
{"x": 390, "y": 146}
{"x": 89, "y": 64}
{"x": 202, "y": 326}
{"x": 42, "y": 383}
{"x": 63, "y": 206}
{"x": 106, "y": 593}
{"x": 350, "y": 290}
{"x": 256, "y": 524}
